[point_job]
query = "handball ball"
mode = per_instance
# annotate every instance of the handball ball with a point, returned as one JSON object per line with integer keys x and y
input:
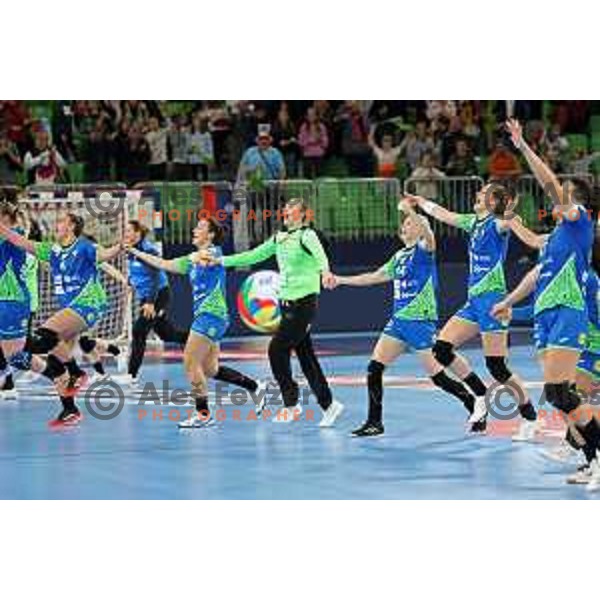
{"x": 257, "y": 301}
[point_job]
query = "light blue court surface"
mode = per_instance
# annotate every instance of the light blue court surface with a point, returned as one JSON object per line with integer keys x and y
{"x": 424, "y": 453}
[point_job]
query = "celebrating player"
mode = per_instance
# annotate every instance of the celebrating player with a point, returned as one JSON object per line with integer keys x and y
{"x": 414, "y": 321}
{"x": 302, "y": 264}
{"x": 211, "y": 319}
{"x": 79, "y": 294}
{"x": 488, "y": 242}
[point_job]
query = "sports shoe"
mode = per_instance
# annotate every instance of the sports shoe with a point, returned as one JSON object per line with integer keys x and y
{"x": 75, "y": 383}
{"x": 11, "y": 394}
{"x": 594, "y": 482}
{"x": 196, "y": 421}
{"x": 126, "y": 379}
{"x": 331, "y": 414}
{"x": 526, "y": 432}
{"x": 581, "y": 476}
{"x": 561, "y": 452}
{"x": 368, "y": 429}
{"x": 288, "y": 414}
{"x": 66, "y": 418}
{"x": 480, "y": 410}
{"x": 261, "y": 394}
{"x": 98, "y": 378}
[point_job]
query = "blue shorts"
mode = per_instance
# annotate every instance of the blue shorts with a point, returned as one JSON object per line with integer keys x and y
{"x": 417, "y": 335}
{"x": 560, "y": 327}
{"x": 14, "y": 318}
{"x": 210, "y": 326}
{"x": 90, "y": 314}
{"x": 589, "y": 363}
{"x": 477, "y": 310}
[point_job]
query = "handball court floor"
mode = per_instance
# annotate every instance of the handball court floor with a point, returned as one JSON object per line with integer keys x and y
{"x": 424, "y": 453}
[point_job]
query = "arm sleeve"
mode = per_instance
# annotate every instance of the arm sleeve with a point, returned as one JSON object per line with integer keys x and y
{"x": 465, "y": 221}
{"x": 43, "y": 251}
{"x": 251, "y": 257}
{"x": 312, "y": 242}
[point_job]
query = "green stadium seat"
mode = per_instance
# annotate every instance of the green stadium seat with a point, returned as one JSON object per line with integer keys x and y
{"x": 596, "y": 141}
{"x": 76, "y": 172}
{"x": 577, "y": 141}
{"x": 595, "y": 124}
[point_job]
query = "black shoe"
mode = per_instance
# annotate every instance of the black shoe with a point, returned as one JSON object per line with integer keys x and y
{"x": 9, "y": 384}
{"x": 479, "y": 427}
{"x": 368, "y": 429}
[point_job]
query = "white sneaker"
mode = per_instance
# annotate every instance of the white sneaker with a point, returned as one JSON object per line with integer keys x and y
{"x": 480, "y": 410}
{"x": 527, "y": 431}
{"x": 288, "y": 414}
{"x": 582, "y": 476}
{"x": 261, "y": 394}
{"x": 331, "y": 414}
{"x": 195, "y": 421}
{"x": 98, "y": 378}
{"x": 561, "y": 452}
{"x": 9, "y": 394}
{"x": 594, "y": 482}
{"x": 126, "y": 379}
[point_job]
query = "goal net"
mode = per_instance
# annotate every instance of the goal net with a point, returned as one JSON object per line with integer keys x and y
{"x": 105, "y": 211}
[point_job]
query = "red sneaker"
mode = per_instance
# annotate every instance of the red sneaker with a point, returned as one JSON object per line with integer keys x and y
{"x": 75, "y": 384}
{"x": 67, "y": 418}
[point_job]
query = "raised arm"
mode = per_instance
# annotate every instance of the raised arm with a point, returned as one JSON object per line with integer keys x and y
{"x": 172, "y": 266}
{"x": 104, "y": 254}
{"x": 251, "y": 257}
{"x": 114, "y": 273}
{"x": 364, "y": 279}
{"x": 439, "y": 213}
{"x": 542, "y": 172}
{"x": 17, "y": 240}
{"x": 525, "y": 234}
{"x": 422, "y": 223}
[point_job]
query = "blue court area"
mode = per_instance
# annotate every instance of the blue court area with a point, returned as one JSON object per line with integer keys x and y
{"x": 423, "y": 454}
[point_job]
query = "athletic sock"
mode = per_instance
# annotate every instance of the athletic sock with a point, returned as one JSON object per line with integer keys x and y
{"x": 590, "y": 433}
{"x": 99, "y": 368}
{"x": 236, "y": 378}
{"x": 475, "y": 384}
{"x": 202, "y": 405}
{"x": 74, "y": 369}
{"x": 454, "y": 388}
{"x": 9, "y": 383}
{"x": 113, "y": 349}
{"x": 375, "y": 388}
{"x": 589, "y": 452}
{"x": 68, "y": 403}
{"x": 527, "y": 411}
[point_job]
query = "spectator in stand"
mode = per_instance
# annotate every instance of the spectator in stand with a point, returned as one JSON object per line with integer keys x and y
{"x": 284, "y": 137}
{"x": 355, "y": 139}
{"x": 137, "y": 155}
{"x": 444, "y": 139}
{"x": 200, "y": 149}
{"x": 121, "y": 149}
{"x": 98, "y": 152}
{"x": 554, "y": 141}
{"x": 178, "y": 143}
{"x": 582, "y": 162}
{"x": 15, "y": 119}
{"x": 426, "y": 177}
{"x": 503, "y": 164}
{"x": 44, "y": 164}
{"x": 314, "y": 141}
{"x": 461, "y": 163}
{"x": 417, "y": 143}
{"x": 386, "y": 155}
{"x": 261, "y": 162}
{"x": 10, "y": 161}
{"x": 554, "y": 160}
{"x": 156, "y": 136}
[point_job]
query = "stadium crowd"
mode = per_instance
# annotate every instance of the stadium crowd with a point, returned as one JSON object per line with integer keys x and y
{"x": 136, "y": 140}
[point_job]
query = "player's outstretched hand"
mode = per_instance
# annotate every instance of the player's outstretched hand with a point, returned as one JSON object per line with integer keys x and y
{"x": 516, "y": 131}
{"x": 329, "y": 280}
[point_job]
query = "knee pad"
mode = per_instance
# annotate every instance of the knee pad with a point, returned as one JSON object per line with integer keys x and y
{"x": 41, "y": 341}
{"x": 87, "y": 344}
{"x": 443, "y": 352}
{"x": 496, "y": 365}
{"x": 562, "y": 397}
